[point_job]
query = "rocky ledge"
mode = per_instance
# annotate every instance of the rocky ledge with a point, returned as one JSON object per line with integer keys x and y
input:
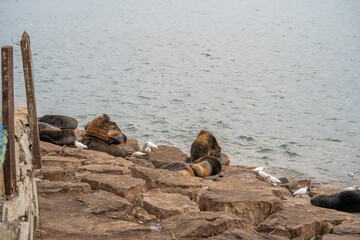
{"x": 85, "y": 194}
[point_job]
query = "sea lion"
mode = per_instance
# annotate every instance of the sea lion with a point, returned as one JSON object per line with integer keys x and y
{"x": 116, "y": 136}
{"x": 346, "y": 201}
{"x": 224, "y": 159}
{"x": 59, "y": 137}
{"x": 206, "y": 166}
{"x": 45, "y": 126}
{"x": 205, "y": 144}
{"x": 180, "y": 167}
{"x": 60, "y": 121}
{"x": 97, "y": 137}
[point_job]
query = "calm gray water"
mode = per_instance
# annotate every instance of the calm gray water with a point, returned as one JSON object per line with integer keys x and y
{"x": 277, "y": 82}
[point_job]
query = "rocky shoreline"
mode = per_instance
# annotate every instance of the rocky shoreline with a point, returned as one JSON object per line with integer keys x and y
{"x": 86, "y": 194}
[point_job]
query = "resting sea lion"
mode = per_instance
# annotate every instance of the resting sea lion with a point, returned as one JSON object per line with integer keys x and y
{"x": 180, "y": 167}
{"x": 347, "y": 201}
{"x": 60, "y": 121}
{"x": 60, "y": 137}
{"x": 45, "y": 126}
{"x": 205, "y": 144}
{"x": 206, "y": 166}
{"x": 115, "y": 134}
{"x": 97, "y": 137}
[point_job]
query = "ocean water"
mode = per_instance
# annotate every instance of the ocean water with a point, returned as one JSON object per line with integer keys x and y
{"x": 277, "y": 82}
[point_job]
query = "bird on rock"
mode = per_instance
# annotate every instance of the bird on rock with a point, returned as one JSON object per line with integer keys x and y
{"x": 80, "y": 145}
{"x": 273, "y": 180}
{"x": 258, "y": 169}
{"x": 301, "y": 191}
{"x": 263, "y": 174}
{"x": 139, "y": 154}
{"x": 151, "y": 144}
{"x": 350, "y": 188}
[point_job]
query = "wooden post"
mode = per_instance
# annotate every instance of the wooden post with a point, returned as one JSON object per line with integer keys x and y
{"x": 30, "y": 99}
{"x": 8, "y": 117}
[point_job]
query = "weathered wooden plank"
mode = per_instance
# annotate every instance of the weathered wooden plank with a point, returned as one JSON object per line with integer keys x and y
{"x": 30, "y": 98}
{"x": 8, "y": 117}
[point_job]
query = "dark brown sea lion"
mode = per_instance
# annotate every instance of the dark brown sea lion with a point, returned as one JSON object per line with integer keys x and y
{"x": 180, "y": 167}
{"x": 97, "y": 137}
{"x": 60, "y": 121}
{"x": 206, "y": 166}
{"x": 205, "y": 144}
{"x": 60, "y": 137}
{"x": 46, "y": 126}
{"x": 346, "y": 201}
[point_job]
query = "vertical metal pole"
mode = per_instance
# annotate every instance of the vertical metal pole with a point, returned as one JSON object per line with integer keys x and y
{"x": 8, "y": 118}
{"x": 30, "y": 99}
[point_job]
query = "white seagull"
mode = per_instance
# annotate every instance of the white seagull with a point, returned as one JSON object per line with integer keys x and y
{"x": 148, "y": 149}
{"x": 301, "y": 191}
{"x": 139, "y": 154}
{"x": 80, "y": 145}
{"x": 350, "y": 188}
{"x": 263, "y": 174}
{"x": 351, "y": 174}
{"x": 273, "y": 180}
{"x": 258, "y": 169}
{"x": 151, "y": 144}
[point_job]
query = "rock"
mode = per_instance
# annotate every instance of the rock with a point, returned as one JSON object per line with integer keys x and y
{"x": 122, "y": 185}
{"x": 165, "y": 155}
{"x": 101, "y": 201}
{"x": 62, "y": 187}
{"x": 142, "y": 215}
{"x": 339, "y": 237}
{"x": 57, "y": 174}
{"x": 301, "y": 221}
{"x": 241, "y": 234}
{"x": 141, "y": 162}
{"x": 75, "y": 220}
{"x": 132, "y": 145}
{"x": 66, "y": 163}
{"x": 197, "y": 224}
{"x": 349, "y": 227}
{"x": 254, "y": 205}
{"x": 165, "y": 205}
{"x": 105, "y": 168}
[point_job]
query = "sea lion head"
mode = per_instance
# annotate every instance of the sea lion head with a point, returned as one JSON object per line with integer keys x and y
{"x": 99, "y": 128}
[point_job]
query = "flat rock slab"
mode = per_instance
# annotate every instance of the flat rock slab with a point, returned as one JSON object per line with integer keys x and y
{"x": 165, "y": 155}
{"x": 57, "y": 174}
{"x": 122, "y": 185}
{"x": 254, "y": 205}
{"x": 329, "y": 236}
{"x": 100, "y": 202}
{"x": 140, "y": 162}
{"x": 245, "y": 235}
{"x": 165, "y": 205}
{"x": 62, "y": 187}
{"x": 66, "y": 163}
{"x": 105, "y": 168}
{"x": 303, "y": 221}
{"x": 350, "y": 227}
{"x": 203, "y": 224}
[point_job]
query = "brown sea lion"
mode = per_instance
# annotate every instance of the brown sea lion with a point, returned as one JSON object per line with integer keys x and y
{"x": 205, "y": 144}
{"x": 180, "y": 167}
{"x": 224, "y": 159}
{"x": 116, "y": 136}
{"x": 97, "y": 137}
{"x": 60, "y": 121}
{"x": 346, "y": 201}
{"x": 206, "y": 166}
